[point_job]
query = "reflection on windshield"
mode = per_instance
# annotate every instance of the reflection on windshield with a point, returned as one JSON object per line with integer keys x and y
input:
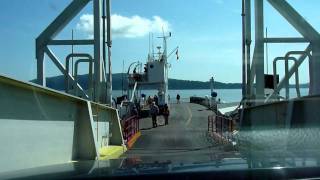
{"x": 121, "y": 89}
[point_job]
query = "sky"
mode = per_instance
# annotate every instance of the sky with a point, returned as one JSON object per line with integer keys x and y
{"x": 208, "y": 33}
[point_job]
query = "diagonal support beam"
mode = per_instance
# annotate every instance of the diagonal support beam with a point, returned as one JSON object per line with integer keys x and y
{"x": 47, "y": 38}
{"x": 51, "y": 31}
{"x": 295, "y": 19}
{"x": 61, "y": 21}
{"x": 63, "y": 70}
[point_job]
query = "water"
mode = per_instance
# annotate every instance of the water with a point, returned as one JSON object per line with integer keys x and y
{"x": 226, "y": 95}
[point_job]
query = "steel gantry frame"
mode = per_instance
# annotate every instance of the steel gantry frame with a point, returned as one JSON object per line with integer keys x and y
{"x": 253, "y": 68}
{"x": 102, "y": 88}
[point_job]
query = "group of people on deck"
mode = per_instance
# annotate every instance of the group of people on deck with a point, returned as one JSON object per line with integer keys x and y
{"x": 154, "y": 110}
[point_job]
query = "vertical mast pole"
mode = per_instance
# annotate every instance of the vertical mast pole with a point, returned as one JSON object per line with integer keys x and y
{"x": 152, "y": 46}
{"x": 267, "y": 61}
{"x": 99, "y": 92}
{"x": 122, "y": 77}
{"x": 259, "y": 49}
{"x": 109, "y": 43}
{"x": 244, "y": 78}
{"x": 211, "y": 85}
{"x": 248, "y": 43}
{"x": 104, "y": 32}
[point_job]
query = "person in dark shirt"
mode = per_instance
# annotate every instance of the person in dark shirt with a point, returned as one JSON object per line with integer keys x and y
{"x": 154, "y": 111}
{"x": 149, "y": 101}
{"x": 166, "y": 114}
{"x": 156, "y": 100}
{"x": 178, "y": 99}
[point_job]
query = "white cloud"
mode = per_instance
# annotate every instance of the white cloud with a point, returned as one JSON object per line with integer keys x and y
{"x": 86, "y": 24}
{"x": 128, "y": 27}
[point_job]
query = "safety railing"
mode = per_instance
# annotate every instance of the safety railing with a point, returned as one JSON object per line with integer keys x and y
{"x": 284, "y": 83}
{"x": 130, "y": 128}
{"x": 286, "y": 59}
{"x": 221, "y": 126}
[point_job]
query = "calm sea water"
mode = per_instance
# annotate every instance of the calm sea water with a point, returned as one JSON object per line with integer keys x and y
{"x": 226, "y": 95}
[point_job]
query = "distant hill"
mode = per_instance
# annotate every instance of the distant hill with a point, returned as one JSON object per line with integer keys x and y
{"x": 57, "y": 82}
{"x": 186, "y": 84}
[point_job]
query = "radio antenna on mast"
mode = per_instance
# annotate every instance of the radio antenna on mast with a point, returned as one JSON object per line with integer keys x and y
{"x": 152, "y": 46}
{"x": 162, "y": 31}
{"x": 149, "y": 44}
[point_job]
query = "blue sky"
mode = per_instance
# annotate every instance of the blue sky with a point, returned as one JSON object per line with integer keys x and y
{"x": 207, "y": 32}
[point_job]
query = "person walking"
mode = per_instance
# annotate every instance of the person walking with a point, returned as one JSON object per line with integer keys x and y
{"x": 178, "y": 99}
{"x": 156, "y": 100}
{"x": 154, "y": 111}
{"x": 166, "y": 114}
{"x": 149, "y": 101}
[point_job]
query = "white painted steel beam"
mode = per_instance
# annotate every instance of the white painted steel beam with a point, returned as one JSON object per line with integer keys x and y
{"x": 41, "y": 76}
{"x": 51, "y": 31}
{"x": 252, "y": 72}
{"x": 46, "y": 38}
{"x": 295, "y": 19}
{"x": 310, "y": 33}
{"x": 133, "y": 91}
{"x": 71, "y": 42}
{"x": 99, "y": 94}
{"x": 314, "y": 69}
{"x": 248, "y": 21}
{"x": 286, "y": 40}
{"x": 61, "y": 21}
{"x": 258, "y": 56}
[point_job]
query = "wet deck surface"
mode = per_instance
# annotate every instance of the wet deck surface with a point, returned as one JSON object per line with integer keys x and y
{"x": 185, "y": 138}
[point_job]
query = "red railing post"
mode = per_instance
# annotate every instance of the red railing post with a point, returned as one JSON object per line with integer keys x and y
{"x": 216, "y": 124}
{"x": 208, "y": 123}
{"x": 221, "y": 126}
{"x": 136, "y": 121}
{"x": 134, "y": 125}
{"x": 131, "y": 127}
{"x": 213, "y": 120}
{"x": 138, "y": 124}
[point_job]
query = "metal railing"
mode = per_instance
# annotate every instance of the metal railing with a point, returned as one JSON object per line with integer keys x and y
{"x": 130, "y": 128}
{"x": 284, "y": 83}
{"x": 286, "y": 59}
{"x": 221, "y": 126}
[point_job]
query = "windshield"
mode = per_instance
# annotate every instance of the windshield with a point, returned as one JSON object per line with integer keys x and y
{"x": 184, "y": 86}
